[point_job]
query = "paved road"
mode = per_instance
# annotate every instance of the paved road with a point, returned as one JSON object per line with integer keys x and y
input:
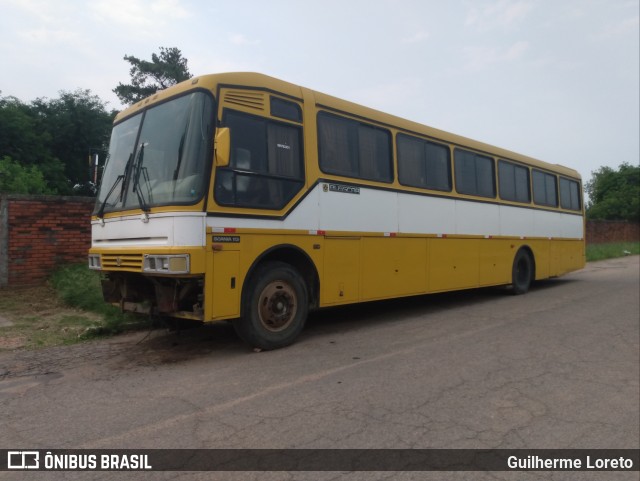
{"x": 556, "y": 368}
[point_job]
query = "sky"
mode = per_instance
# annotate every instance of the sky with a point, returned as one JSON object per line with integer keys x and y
{"x": 557, "y": 80}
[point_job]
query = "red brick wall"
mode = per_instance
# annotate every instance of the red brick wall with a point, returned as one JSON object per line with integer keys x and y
{"x": 42, "y": 233}
{"x": 601, "y": 231}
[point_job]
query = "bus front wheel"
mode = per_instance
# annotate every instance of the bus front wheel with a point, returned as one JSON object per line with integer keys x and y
{"x": 522, "y": 273}
{"x": 274, "y": 308}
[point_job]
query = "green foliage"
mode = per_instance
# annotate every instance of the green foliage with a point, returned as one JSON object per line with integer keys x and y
{"x": 79, "y": 287}
{"x": 26, "y": 143}
{"x": 614, "y": 194}
{"x": 55, "y": 136}
{"x": 596, "y": 252}
{"x": 147, "y": 77}
{"x": 20, "y": 179}
{"x": 77, "y": 123}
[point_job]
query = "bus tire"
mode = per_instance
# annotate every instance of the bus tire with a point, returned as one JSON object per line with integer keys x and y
{"x": 522, "y": 272}
{"x": 274, "y": 307}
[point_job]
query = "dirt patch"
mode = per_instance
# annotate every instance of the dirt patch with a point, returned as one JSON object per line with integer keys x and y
{"x": 106, "y": 357}
{"x": 17, "y": 302}
{"x": 34, "y": 317}
{"x": 10, "y": 343}
{"x": 5, "y": 322}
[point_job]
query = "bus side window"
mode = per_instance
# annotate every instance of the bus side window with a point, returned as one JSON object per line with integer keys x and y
{"x": 544, "y": 189}
{"x": 423, "y": 164}
{"x": 354, "y": 149}
{"x": 569, "y": 194}
{"x": 474, "y": 173}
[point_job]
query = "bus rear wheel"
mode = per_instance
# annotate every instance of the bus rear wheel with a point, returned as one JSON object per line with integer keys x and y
{"x": 274, "y": 308}
{"x": 522, "y": 272}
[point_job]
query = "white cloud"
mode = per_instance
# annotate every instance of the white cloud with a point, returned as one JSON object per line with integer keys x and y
{"x": 171, "y": 9}
{"x": 416, "y": 37}
{"x": 40, "y": 10}
{"x": 623, "y": 27}
{"x": 42, "y": 26}
{"x": 146, "y": 16}
{"x": 44, "y": 22}
{"x": 129, "y": 13}
{"x": 516, "y": 50}
{"x": 500, "y": 13}
{"x": 479, "y": 58}
{"x": 240, "y": 39}
{"x": 388, "y": 96}
{"x": 49, "y": 36}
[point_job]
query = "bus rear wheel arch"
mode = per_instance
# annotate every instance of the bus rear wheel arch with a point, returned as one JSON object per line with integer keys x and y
{"x": 274, "y": 306}
{"x": 523, "y": 271}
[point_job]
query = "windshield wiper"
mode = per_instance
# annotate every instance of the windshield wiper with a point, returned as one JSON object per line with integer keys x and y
{"x": 121, "y": 178}
{"x": 104, "y": 202}
{"x": 136, "y": 180}
{"x": 181, "y": 149}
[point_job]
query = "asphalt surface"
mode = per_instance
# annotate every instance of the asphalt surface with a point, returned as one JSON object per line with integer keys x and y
{"x": 555, "y": 368}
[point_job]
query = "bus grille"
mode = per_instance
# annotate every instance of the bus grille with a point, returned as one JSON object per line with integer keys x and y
{"x": 125, "y": 262}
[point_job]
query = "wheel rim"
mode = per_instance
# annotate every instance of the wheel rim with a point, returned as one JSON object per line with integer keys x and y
{"x": 277, "y": 306}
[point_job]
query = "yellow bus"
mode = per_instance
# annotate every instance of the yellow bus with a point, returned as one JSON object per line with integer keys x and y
{"x": 242, "y": 197}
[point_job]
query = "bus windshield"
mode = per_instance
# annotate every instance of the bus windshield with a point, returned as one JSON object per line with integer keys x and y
{"x": 159, "y": 157}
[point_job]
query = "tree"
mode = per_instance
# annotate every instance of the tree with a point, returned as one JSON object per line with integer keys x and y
{"x": 25, "y": 143}
{"x": 166, "y": 69}
{"x": 55, "y": 136}
{"x": 614, "y": 194}
{"x": 78, "y": 123}
{"x": 20, "y": 136}
{"x": 19, "y": 179}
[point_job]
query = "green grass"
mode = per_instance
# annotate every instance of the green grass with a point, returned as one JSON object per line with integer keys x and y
{"x": 598, "y": 252}
{"x": 79, "y": 287}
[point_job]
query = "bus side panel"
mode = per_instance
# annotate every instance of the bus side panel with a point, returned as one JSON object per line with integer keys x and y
{"x": 393, "y": 267}
{"x": 540, "y": 249}
{"x": 340, "y": 284}
{"x": 572, "y": 255}
{"x": 453, "y": 264}
{"x": 496, "y": 262}
{"x": 225, "y": 289}
{"x": 555, "y": 258}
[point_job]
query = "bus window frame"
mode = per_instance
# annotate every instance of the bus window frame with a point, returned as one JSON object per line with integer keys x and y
{"x": 529, "y": 189}
{"x": 493, "y": 174}
{"x": 371, "y": 125}
{"x": 570, "y": 181}
{"x": 533, "y": 189}
{"x": 399, "y": 137}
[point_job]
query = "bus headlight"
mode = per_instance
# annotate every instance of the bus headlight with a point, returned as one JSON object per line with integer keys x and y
{"x": 94, "y": 262}
{"x": 166, "y": 264}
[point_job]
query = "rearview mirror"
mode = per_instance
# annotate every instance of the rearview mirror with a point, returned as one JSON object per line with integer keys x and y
{"x": 222, "y": 147}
